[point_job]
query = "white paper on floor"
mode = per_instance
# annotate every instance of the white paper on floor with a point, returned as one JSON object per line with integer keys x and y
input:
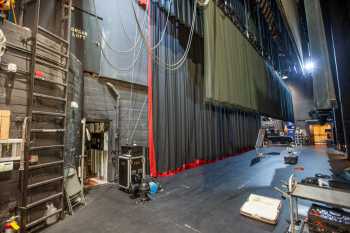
{"x": 262, "y": 208}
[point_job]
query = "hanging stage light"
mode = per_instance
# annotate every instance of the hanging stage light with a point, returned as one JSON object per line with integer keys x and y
{"x": 203, "y": 3}
{"x": 309, "y": 66}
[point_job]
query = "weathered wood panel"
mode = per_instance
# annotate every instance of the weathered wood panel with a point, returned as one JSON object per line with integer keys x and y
{"x": 13, "y": 87}
{"x": 101, "y": 104}
{"x": 14, "y": 97}
{"x": 74, "y": 115}
{"x": 9, "y": 192}
{"x": 4, "y": 124}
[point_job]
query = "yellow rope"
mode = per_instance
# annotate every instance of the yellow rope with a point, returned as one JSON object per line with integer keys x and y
{"x": 12, "y": 3}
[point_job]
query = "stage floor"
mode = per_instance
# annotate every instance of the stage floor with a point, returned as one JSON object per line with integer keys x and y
{"x": 202, "y": 200}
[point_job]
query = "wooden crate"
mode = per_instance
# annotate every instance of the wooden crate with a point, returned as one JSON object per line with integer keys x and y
{"x": 5, "y": 116}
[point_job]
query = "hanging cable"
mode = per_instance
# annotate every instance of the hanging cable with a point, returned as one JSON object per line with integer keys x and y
{"x": 123, "y": 26}
{"x": 131, "y": 92}
{"x": 173, "y": 66}
{"x": 181, "y": 61}
{"x": 164, "y": 30}
{"x": 139, "y": 38}
{"x": 135, "y": 59}
{"x": 131, "y": 67}
{"x": 124, "y": 69}
{"x": 120, "y": 52}
{"x": 127, "y": 51}
{"x": 138, "y": 118}
{"x": 165, "y": 27}
{"x": 119, "y": 70}
{"x": 143, "y": 24}
{"x": 115, "y": 67}
{"x": 132, "y": 63}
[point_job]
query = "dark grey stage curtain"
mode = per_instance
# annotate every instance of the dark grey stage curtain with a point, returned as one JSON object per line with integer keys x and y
{"x": 188, "y": 130}
{"x": 182, "y": 10}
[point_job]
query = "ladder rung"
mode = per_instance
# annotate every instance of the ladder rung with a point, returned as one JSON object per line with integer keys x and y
{"x": 45, "y": 182}
{"x": 51, "y": 50}
{"x": 49, "y": 198}
{"x": 50, "y": 81}
{"x": 28, "y": 1}
{"x": 16, "y": 47}
{"x": 49, "y": 113}
{"x": 76, "y": 203}
{"x": 43, "y": 62}
{"x": 48, "y": 60}
{"x": 49, "y": 164}
{"x": 49, "y": 97}
{"x": 46, "y": 147}
{"x": 47, "y": 130}
{"x": 52, "y": 34}
{"x": 39, "y": 220}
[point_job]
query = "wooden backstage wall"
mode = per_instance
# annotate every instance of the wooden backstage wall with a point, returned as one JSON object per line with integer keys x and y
{"x": 13, "y": 97}
{"x": 100, "y": 104}
{"x": 74, "y": 114}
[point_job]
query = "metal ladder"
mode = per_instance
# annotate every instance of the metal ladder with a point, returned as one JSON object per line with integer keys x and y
{"x": 260, "y": 141}
{"x": 43, "y": 173}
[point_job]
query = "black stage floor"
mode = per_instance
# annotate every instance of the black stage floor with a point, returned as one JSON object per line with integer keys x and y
{"x": 202, "y": 200}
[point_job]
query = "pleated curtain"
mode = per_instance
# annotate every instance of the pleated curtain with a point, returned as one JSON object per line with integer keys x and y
{"x": 188, "y": 130}
{"x": 235, "y": 74}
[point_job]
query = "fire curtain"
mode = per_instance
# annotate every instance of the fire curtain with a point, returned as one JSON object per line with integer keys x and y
{"x": 189, "y": 131}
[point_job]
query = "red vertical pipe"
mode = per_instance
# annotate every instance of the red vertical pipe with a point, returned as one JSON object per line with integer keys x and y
{"x": 152, "y": 159}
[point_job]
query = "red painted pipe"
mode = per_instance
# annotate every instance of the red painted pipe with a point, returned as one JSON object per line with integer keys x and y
{"x": 152, "y": 158}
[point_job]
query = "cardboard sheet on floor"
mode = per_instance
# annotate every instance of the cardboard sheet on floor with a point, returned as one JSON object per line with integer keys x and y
{"x": 264, "y": 209}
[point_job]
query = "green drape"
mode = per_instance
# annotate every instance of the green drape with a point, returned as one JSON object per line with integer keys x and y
{"x": 235, "y": 74}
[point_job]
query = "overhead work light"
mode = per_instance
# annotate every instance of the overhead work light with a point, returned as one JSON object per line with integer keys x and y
{"x": 309, "y": 66}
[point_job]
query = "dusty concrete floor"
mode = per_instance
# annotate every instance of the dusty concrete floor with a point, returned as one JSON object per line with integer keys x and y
{"x": 202, "y": 200}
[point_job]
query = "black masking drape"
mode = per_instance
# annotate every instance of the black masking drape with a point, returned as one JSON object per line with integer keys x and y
{"x": 182, "y": 10}
{"x": 236, "y": 75}
{"x": 186, "y": 128}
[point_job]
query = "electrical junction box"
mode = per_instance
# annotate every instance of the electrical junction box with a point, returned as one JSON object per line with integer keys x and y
{"x": 6, "y": 166}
